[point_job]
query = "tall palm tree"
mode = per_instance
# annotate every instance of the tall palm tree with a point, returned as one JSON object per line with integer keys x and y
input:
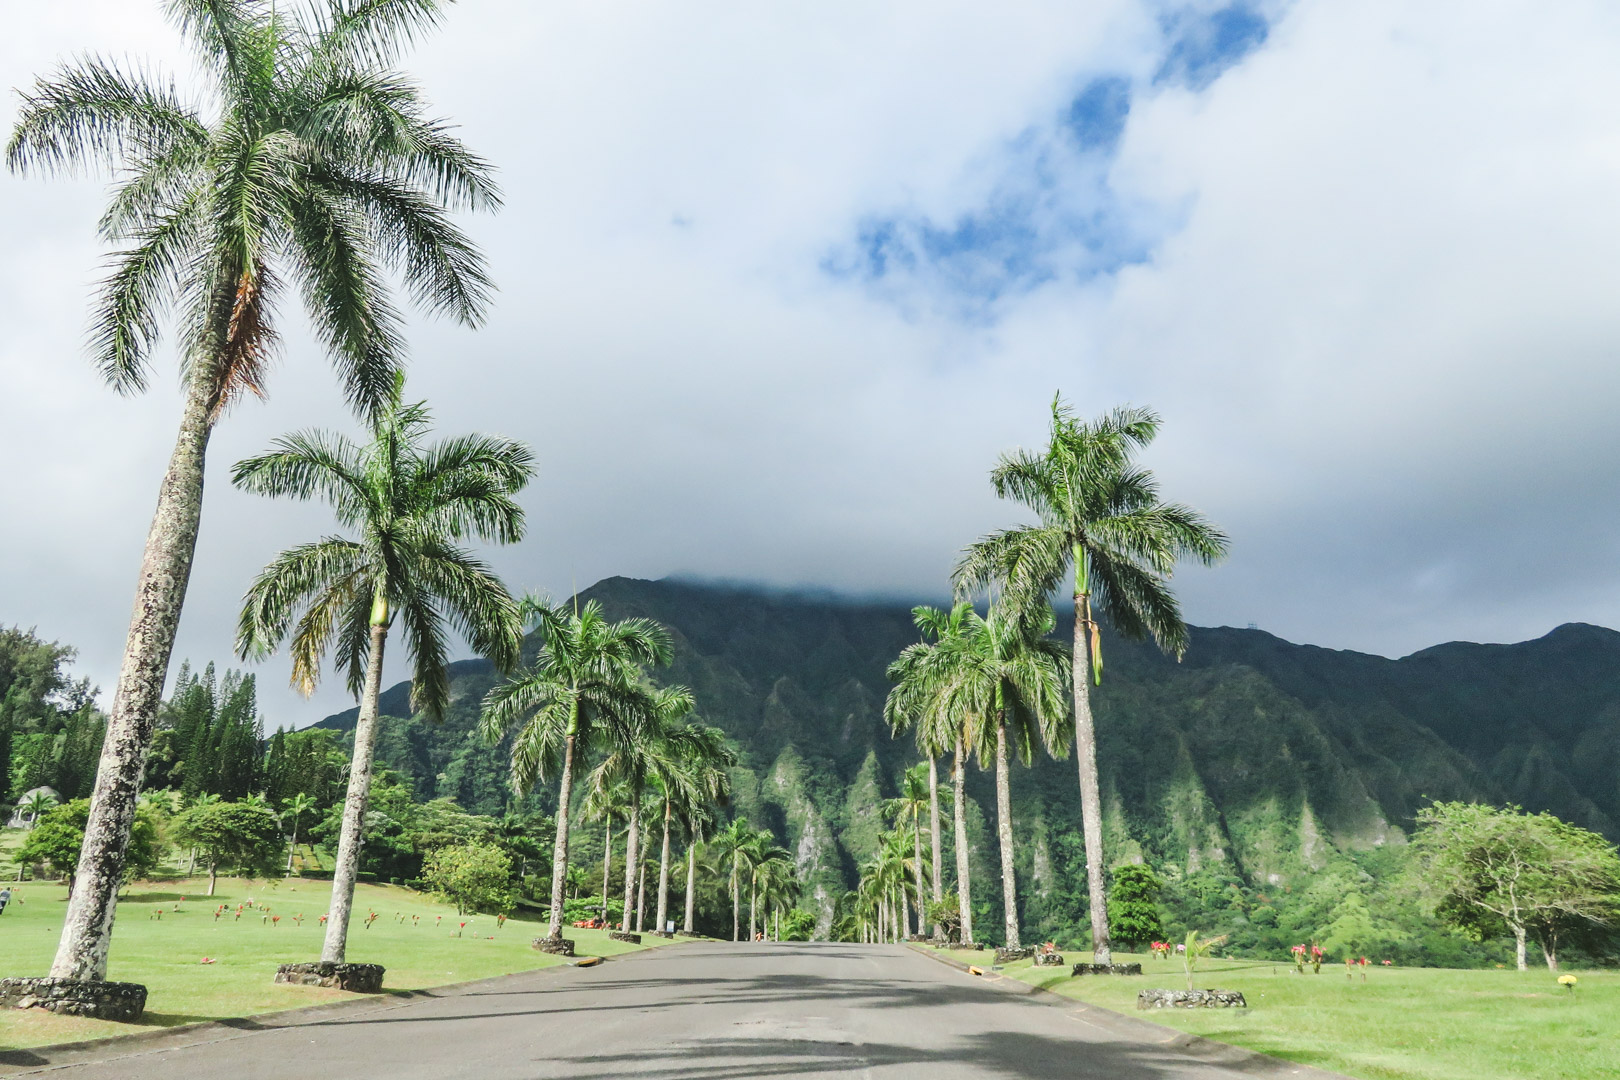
{"x": 607, "y": 803}
{"x": 35, "y": 804}
{"x": 1009, "y": 679}
{"x": 698, "y": 822}
{"x": 1101, "y": 518}
{"x": 411, "y": 503}
{"x": 921, "y": 674}
{"x": 915, "y": 798}
{"x": 760, "y": 852}
{"x": 697, "y": 776}
{"x": 294, "y": 809}
{"x": 653, "y": 759}
{"x": 729, "y": 848}
{"x": 583, "y": 690}
{"x": 319, "y": 166}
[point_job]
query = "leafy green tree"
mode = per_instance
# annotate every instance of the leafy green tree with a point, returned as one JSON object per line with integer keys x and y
{"x": 1133, "y": 906}
{"x": 582, "y": 691}
{"x": 474, "y": 877}
{"x": 234, "y": 835}
{"x": 798, "y": 925}
{"x": 1101, "y": 518}
{"x": 411, "y": 504}
{"x": 58, "y": 835}
{"x": 35, "y": 805}
{"x": 1490, "y": 869}
{"x": 320, "y": 167}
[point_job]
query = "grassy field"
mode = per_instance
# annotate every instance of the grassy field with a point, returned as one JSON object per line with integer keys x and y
{"x": 166, "y": 953}
{"x": 1400, "y": 1024}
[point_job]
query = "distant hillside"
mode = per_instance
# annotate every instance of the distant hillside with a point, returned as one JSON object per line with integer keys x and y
{"x": 1254, "y": 755}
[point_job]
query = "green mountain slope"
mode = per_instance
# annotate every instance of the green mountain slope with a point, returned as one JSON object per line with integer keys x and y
{"x": 1254, "y": 760}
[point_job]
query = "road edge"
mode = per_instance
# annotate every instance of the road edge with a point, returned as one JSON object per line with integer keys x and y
{"x": 1205, "y": 1050}
{"x": 86, "y": 1051}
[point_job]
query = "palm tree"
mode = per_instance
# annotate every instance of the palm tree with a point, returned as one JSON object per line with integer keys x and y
{"x": 410, "y": 502}
{"x": 295, "y": 808}
{"x": 921, "y": 674}
{"x": 584, "y": 689}
{"x": 759, "y": 852}
{"x": 321, "y": 167}
{"x": 607, "y": 803}
{"x": 1101, "y": 518}
{"x": 36, "y": 803}
{"x": 1009, "y": 681}
{"x": 652, "y": 759}
{"x": 697, "y": 776}
{"x": 913, "y": 800}
{"x": 778, "y": 889}
{"x": 698, "y": 822}
{"x": 730, "y": 846}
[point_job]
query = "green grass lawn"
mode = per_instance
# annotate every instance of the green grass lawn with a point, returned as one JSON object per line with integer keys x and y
{"x": 165, "y": 954}
{"x": 1400, "y": 1024}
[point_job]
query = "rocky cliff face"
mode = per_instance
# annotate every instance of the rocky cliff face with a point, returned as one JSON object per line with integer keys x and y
{"x": 1253, "y": 755}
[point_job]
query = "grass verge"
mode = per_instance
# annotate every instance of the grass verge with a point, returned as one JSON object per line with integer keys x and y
{"x": 165, "y": 953}
{"x": 1398, "y": 1024}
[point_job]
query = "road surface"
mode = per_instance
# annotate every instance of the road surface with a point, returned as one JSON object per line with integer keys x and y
{"x": 700, "y": 1011}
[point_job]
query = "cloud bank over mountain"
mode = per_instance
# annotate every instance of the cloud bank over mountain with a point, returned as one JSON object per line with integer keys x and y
{"x": 777, "y": 285}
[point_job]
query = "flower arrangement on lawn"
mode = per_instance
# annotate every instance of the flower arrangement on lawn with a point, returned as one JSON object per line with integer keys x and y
{"x": 1311, "y": 954}
{"x": 1161, "y": 949}
{"x": 1568, "y": 982}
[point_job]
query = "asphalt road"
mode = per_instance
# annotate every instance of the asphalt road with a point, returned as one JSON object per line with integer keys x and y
{"x": 702, "y": 1011}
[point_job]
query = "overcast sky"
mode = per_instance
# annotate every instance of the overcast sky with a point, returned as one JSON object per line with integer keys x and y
{"x": 779, "y": 281}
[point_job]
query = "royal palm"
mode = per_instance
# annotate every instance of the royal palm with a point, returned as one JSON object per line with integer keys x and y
{"x": 317, "y": 168}
{"x": 409, "y": 504}
{"x": 585, "y": 689}
{"x": 921, "y": 674}
{"x": 1101, "y": 518}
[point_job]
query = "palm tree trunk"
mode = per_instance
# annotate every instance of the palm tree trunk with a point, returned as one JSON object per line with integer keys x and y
{"x": 347, "y": 867}
{"x": 559, "y": 851}
{"x": 933, "y": 838}
{"x": 1009, "y": 885}
{"x": 631, "y": 836}
{"x": 916, "y": 843}
{"x": 292, "y": 845}
{"x": 964, "y": 897}
{"x": 903, "y": 927}
{"x": 213, "y": 876}
{"x": 663, "y": 875}
{"x": 753, "y": 900}
{"x": 1085, "y": 754}
{"x": 607, "y": 868}
{"x": 691, "y": 883}
{"x": 736, "y": 904}
{"x": 160, "y": 592}
{"x": 641, "y": 895}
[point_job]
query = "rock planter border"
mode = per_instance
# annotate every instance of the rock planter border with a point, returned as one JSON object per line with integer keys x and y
{"x": 1049, "y": 959}
{"x": 668, "y": 935}
{"x": 355, "y": 978}
{"x": 101, "y": 1000}
{"x": 1190, "y": 999}
{"x": 556, "y": 946}
{"x": 1107, "y": 969}
{"x": 1005, "y": 955}
{"x": 624, "y": 935}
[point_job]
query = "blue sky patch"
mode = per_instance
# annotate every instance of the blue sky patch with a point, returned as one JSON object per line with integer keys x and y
{"x": 1203, "y": 46}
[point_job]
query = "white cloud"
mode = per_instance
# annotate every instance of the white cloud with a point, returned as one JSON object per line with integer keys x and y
{"x": 1380, "y": 330}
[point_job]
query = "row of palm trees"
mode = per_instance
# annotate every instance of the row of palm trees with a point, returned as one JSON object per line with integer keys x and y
{"x": 997, "y": 684}
{"x": 318, "y": 165}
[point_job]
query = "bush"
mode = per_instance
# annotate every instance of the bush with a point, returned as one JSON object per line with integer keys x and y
{"x": 1133, "y": 906}
{"x": 474, "y": 877}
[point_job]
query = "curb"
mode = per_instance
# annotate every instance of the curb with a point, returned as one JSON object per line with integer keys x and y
{"x": 1205, "y": 1051}
{"x": 39, "y": 1059}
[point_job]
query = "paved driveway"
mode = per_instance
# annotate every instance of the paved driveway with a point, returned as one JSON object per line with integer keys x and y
{"x": 703, "y": 1011}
